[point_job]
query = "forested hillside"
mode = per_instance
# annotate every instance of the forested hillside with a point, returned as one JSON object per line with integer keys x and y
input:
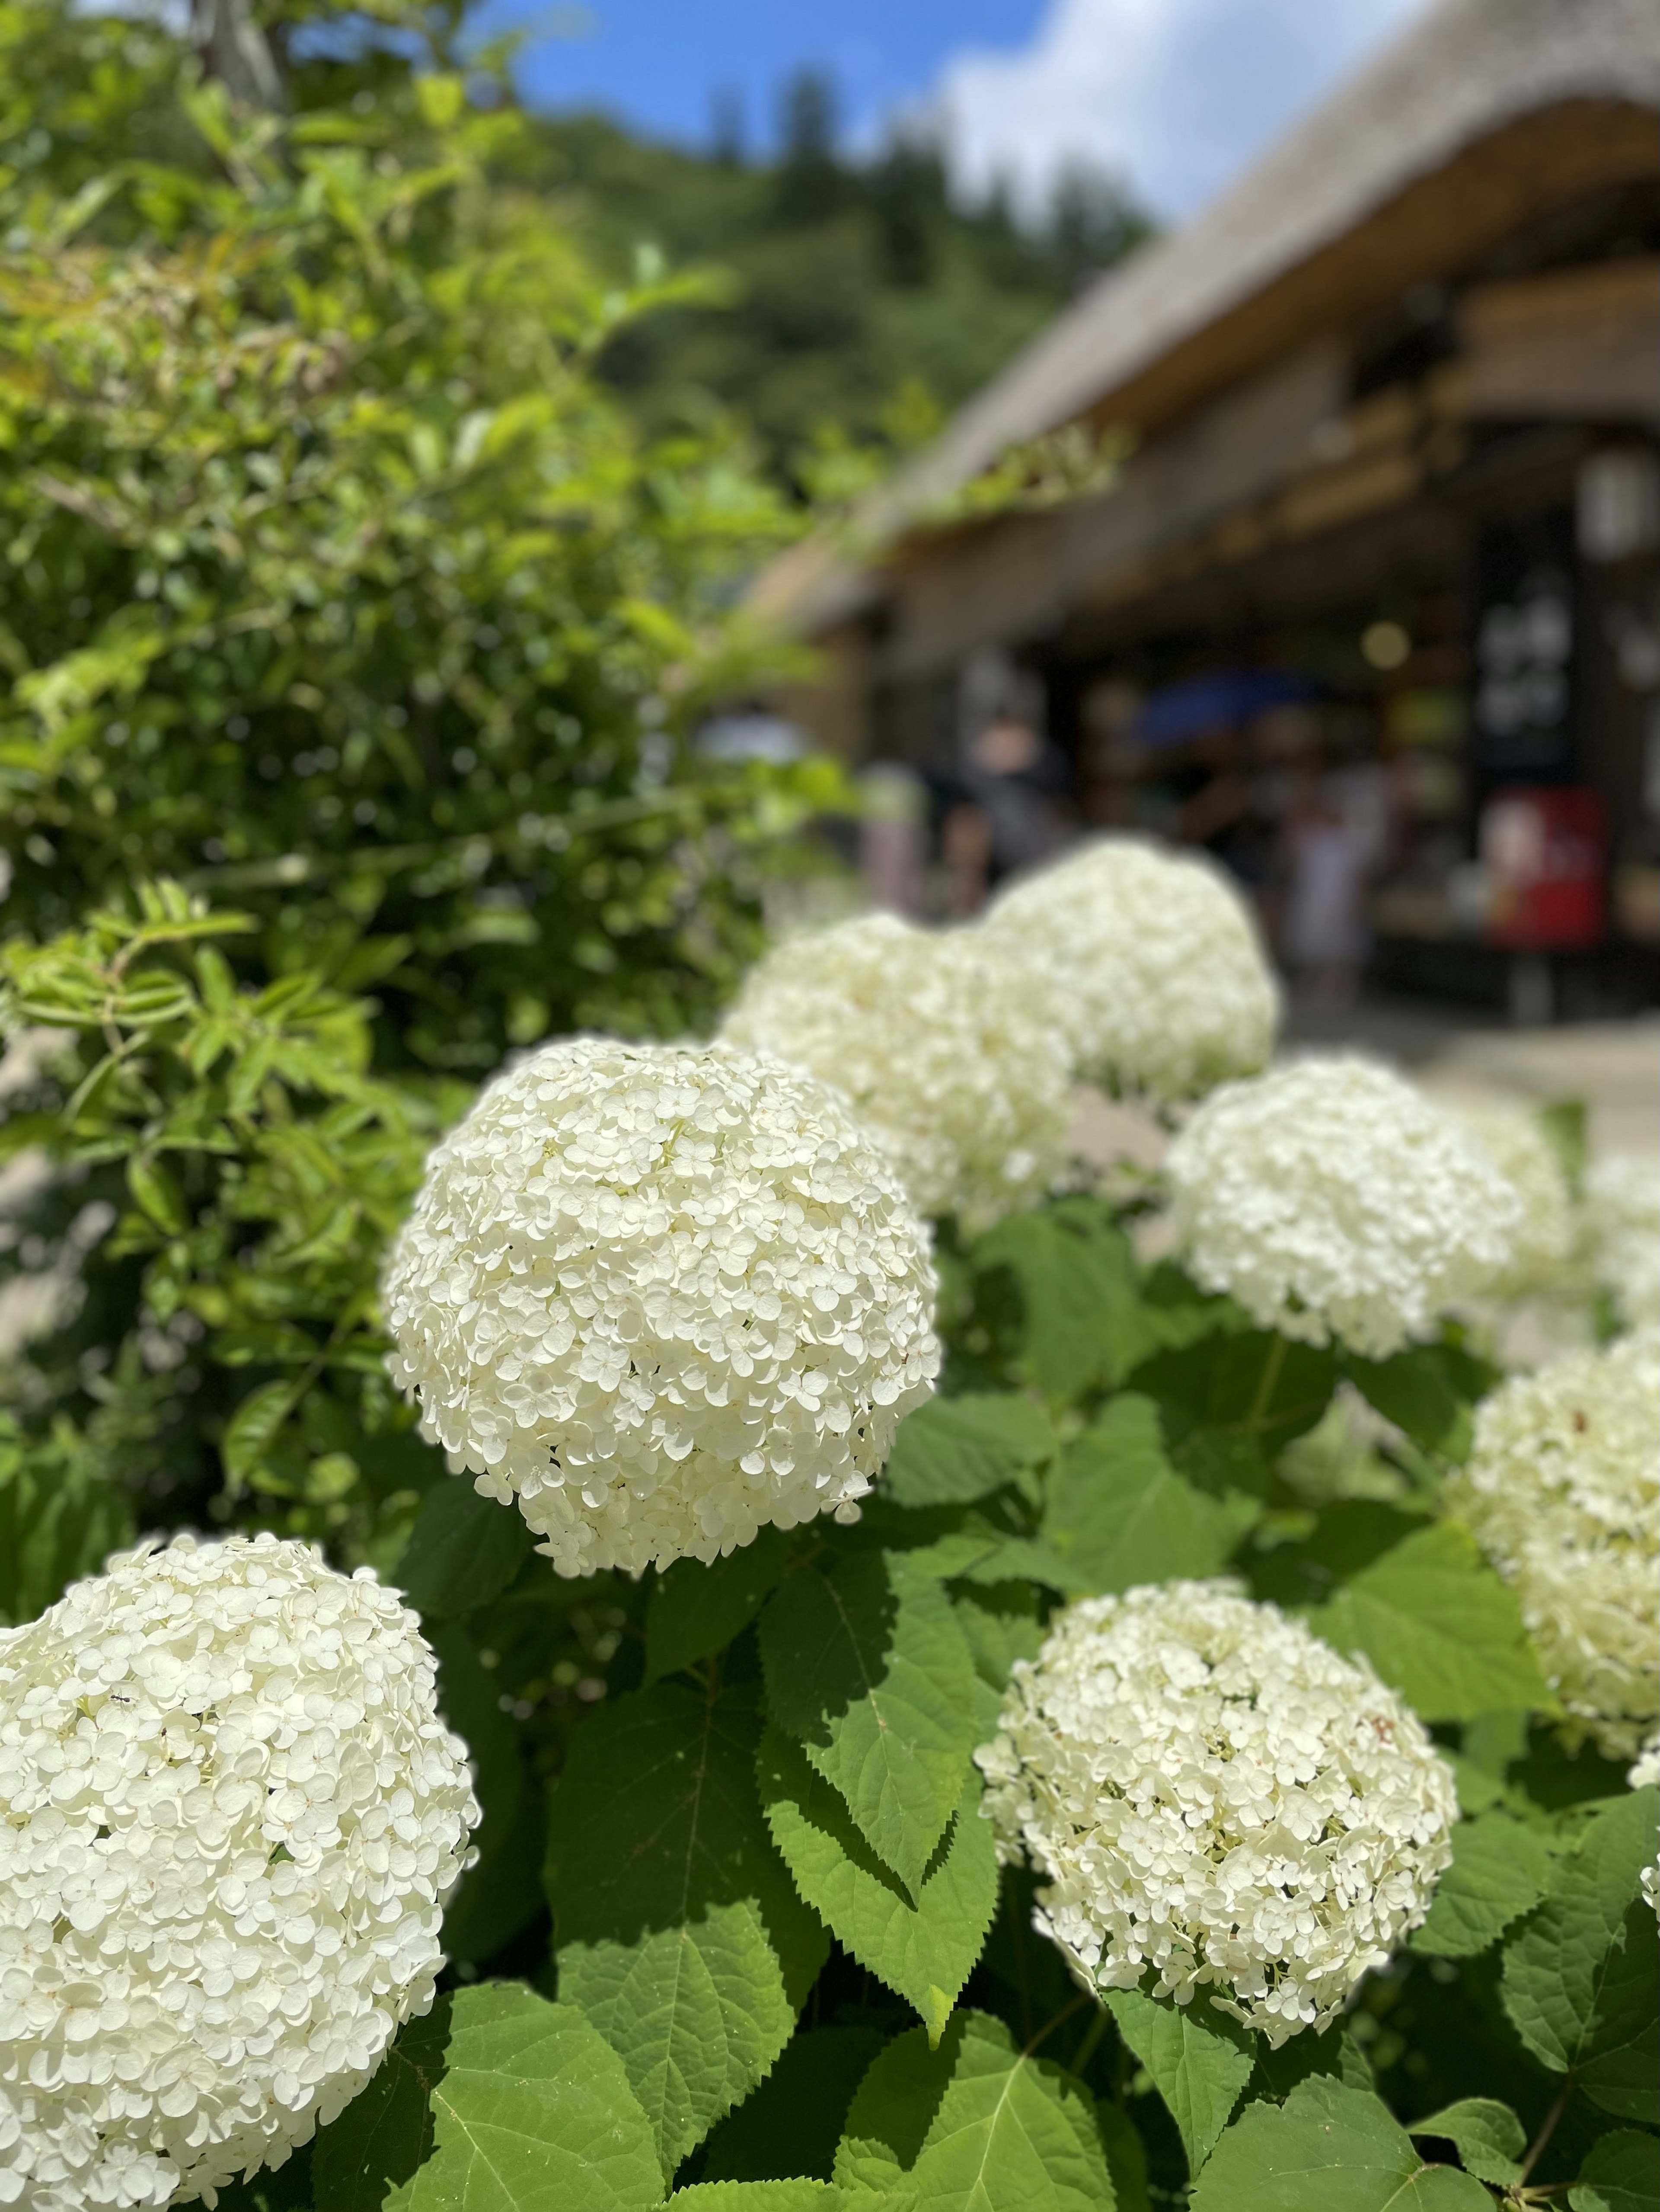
{"x": 853, "y": 293}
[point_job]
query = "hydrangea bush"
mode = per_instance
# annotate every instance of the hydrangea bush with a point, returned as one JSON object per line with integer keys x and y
{"x": 929, "y": 1741}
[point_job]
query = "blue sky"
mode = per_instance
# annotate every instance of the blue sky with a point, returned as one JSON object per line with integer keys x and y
{"x": 1179, "y": 94}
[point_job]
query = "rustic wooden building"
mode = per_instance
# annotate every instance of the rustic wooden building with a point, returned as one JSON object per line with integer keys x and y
{"x": 1391, "y": 407}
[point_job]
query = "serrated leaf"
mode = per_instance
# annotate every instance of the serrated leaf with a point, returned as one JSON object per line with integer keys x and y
{"x": 1427, "y": 1391}
{"x": 1077, "y": 1278}
{"x": 1438, "y": 1625}
{"x": 463, "y": 1551}
{"x": 694, "y": 1610}
{"x": 1581, "y": 1980}
{"x": 1621, "y": 2173}
{"x": 1500, "y": 1869}
{"x": 678, "y": 1931}
{"x": 1001, "y": 1623}
{"x": 1199, "y": 2062}
{"x": 923, "y": 1945}
{"x": 497, "y": 2101}
{"x": 1486, "y": 2135}
{"x": 953, "y": 1450}
{"x": 1328, "y": 2149}
{"x": 978, "y": 2125}
{"x": 1118, "y": 1513}
{"x": 866, "y": 1668}
{"x": 798, "y": 2194}
{"x": 792, "y": 2123}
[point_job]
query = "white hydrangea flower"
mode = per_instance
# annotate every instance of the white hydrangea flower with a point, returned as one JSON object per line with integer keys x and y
{"x": 1333, "y": 1200}
{"x": 949, "y": 1053}
{"x": 1542, "y": 1248}
{"x": 1211, "y": 1792}
{"x": 1622, "y": 1221}
{"x": 661, "y": 1295}
{"x": 229, "y": 1818}
{"x": 1155, "y": 961}
{"x": 1562, "y": 1489}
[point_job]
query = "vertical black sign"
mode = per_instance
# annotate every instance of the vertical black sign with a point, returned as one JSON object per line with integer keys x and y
{"x": 1523, "y": 651}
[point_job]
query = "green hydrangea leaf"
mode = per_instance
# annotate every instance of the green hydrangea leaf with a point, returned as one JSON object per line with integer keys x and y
{"x": 692, "y": 1610}
{"x": 924, "y": 1946}
{"x": 1500, "y": 1869}
{"x": 1621, "y": 2173}
{"x": 1328, "y": 2149}
{"x": 677, "y": 1930}
{"x": 953, "y": 1450}
{"x": 1002, "y": 1622}
{"x": 463, "y": 1551}
{"x": 1199, "y": 2061}
{"x": 1440, "y": 1626}
{"x": 797, "y": 2195}
{"x": 1118, "y": 1512}
{"x": 497, "y": 2101}
{"x": 867, "y": 1667}
{"x": 1083, "y": 1324}
{"x": 792, "y": 2123}
{"x": 1486, "y": 2135}
{"x": 1427, "y": 1391}
{"x": 977, "y": 2125}
{"x": 1249, "y": 1386}
{"x": 1581, "y": 1979}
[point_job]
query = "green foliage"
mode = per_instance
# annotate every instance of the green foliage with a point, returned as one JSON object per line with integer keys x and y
{"x": 1488, "y": 2137}
{"x": 855, "y": 298}
{"x": 1118, "y": 1512}
{"x": 1436, "y": 1622}
{"x": 497, "y": 2101}
{"x": 976, "y": 2121}
{"x": 922, "y": 1944}
{"x": 351, "y": 639}
{"x": 1197, "y": 2059}
{"x": 868, "y": 1670}
{"x": 1500, "y": 1869}
{"x": 1328, "y": 2148}
{"x": 1622, "y": 2173}
{"x": 1580, "y": 1977}
{"x": 678, "y": 1931}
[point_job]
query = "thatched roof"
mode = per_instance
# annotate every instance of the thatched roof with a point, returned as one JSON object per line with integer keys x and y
{"x": 1130, "y": 348}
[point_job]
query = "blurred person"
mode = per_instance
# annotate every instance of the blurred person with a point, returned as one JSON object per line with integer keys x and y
{"x": 1013, "y": 811}
{"x": 1324, "y": 938}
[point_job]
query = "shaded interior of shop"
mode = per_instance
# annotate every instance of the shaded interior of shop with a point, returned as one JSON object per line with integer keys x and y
{"x": 1399, "y": 591}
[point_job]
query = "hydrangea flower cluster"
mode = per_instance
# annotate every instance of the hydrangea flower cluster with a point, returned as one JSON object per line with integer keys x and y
{"x": 1562, "y": 1489}
{"x": 229, "y": 1819}
{"x": 1622, "y": 1218}
{"x": 949, "y": 1053}
{"x": 661, "y": 1296}
{"x": 1210, "y": 1791}
{"x": 1543, "y": 1247}
{"x": 1155, "y": 963}
{"x": 1332, "y": 1200}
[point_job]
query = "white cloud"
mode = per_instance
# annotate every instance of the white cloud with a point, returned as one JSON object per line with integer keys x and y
{"x": 1178, "y": 94}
